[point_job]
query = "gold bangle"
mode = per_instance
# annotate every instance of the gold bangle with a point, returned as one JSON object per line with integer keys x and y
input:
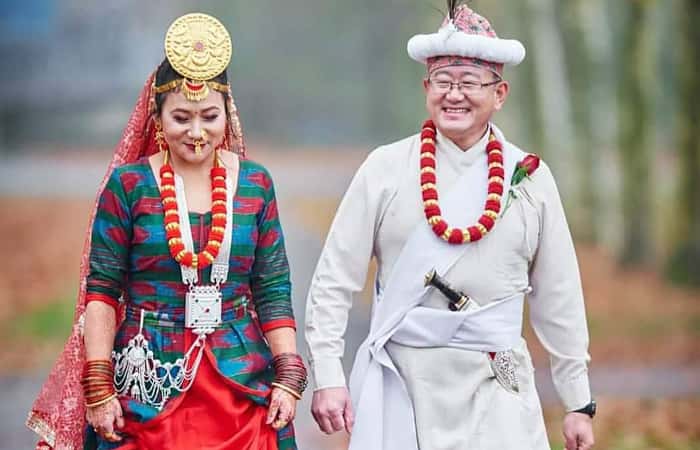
{"x": 287, "y": 389}
{"x": 101, "y": 402}
{"x": 98, "y": 377}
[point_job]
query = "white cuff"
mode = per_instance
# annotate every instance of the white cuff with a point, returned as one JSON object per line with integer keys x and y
{"x": 574, "y": 393}
{"x": 327, "y": 373}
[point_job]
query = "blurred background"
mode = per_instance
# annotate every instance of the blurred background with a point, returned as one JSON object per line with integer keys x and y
{"x": 608, "y": 95}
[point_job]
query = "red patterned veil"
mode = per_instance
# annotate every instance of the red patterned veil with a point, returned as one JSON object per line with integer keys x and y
{"x": 58, "y": 413}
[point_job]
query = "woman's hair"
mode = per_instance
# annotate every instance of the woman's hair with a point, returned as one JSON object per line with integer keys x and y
{"x": 166, "y": 73}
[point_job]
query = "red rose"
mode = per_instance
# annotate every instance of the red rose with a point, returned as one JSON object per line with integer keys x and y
{"x": 530, "y": 163}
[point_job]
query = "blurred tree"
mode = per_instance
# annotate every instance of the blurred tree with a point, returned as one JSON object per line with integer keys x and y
{"x": 579, "y": 68}
{"x": 634, "y": 122}
{"x": 382, "y": 19}
{"x": 684, "y": 263}
{"x": 527, "y": 100}
{"x": 554, "y": 93}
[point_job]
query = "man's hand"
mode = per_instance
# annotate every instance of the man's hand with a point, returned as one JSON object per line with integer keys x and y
{"x": 332, "y": 409}
{"x": 578, "y": 431}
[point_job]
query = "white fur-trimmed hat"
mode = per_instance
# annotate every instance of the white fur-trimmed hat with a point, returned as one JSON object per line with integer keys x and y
{"x": 467, "y": 34}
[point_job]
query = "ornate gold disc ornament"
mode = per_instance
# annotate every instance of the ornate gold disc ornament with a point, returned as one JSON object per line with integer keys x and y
{"x": 199, "y": 48}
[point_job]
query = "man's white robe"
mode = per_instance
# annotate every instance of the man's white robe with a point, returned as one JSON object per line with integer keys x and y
{"x": 454, "y": 400}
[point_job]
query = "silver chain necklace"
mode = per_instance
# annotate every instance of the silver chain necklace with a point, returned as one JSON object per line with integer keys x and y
{"x": 137, "y": 372}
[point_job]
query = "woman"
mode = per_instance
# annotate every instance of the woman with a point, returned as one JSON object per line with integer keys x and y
{"x": 184, "y": 335}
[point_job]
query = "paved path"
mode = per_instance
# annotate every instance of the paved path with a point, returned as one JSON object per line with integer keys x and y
{"x": 17, "y": 393}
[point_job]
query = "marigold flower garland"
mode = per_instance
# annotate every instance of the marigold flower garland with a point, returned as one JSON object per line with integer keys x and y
{"x": 430, "y": 196}
{"x": 172, "y": 218}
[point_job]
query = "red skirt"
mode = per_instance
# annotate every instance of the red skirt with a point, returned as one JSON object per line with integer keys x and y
{"x": 211, "y": 415}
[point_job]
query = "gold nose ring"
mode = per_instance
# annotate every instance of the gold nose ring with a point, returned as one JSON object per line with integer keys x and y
{"x": 198, "y": 146}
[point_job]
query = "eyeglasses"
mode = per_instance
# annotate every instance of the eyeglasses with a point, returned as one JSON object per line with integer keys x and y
{"x": 465, "y": 87}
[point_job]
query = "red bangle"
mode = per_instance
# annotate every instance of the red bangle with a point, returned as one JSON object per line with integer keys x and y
{"x": 290, "y": 371}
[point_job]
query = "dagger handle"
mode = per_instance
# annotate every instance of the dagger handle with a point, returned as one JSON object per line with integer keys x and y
{"x": 435, "y": 280}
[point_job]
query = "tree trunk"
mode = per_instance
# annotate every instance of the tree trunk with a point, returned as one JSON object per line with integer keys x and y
{"x": 634, "y": 151}
{"x": 524, "y": 98}
{"x": 580, "y": 73}
{"x": 548, "y": 58}
{"x": 683, "y": 265}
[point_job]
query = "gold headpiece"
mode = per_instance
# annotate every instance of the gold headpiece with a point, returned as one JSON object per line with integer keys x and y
{"x": 199, "y": 48}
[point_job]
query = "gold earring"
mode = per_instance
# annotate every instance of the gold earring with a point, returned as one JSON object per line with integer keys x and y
{"x": 160, "y": 137}
{"x": 223, "y": 145}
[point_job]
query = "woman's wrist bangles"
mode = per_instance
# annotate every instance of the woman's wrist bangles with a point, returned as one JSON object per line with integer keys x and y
{"x": 290, "y": 374}
{"x": 98, "y": 382}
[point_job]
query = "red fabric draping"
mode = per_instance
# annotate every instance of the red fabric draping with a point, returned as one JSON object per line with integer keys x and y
{"x": 212, "y": 415}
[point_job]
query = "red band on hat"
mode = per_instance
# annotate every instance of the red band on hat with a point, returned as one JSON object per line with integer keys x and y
{"x": 438, "y": 62}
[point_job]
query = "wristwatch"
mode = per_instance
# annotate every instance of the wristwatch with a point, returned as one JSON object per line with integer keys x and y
{"x": 589, "y": 409}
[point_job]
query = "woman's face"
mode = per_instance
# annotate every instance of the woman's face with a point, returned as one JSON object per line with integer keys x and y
{"x": 186, "y": 123}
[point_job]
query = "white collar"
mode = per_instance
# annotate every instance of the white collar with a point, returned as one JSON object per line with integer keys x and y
{"x": 463, "y": 157}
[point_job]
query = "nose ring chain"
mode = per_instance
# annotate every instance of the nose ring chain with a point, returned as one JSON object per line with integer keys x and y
{"x": 199, "y": 142}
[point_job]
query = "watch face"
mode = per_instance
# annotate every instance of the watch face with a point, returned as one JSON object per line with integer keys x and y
{"x": 589, "y": 409}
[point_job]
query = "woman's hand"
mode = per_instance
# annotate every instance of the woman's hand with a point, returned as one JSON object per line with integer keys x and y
{"x": 104, "y": 418}
{"x": 283, "y": 407}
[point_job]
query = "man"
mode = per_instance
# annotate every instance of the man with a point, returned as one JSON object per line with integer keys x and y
{"x": 445, "y": 367}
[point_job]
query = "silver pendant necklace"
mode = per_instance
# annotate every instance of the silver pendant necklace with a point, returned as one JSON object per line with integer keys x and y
{"x": 137, "y": 372}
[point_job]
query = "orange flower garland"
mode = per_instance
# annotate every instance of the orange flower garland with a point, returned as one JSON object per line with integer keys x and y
{"x": 430, "y": 196}
{"x": 172, "y": 218}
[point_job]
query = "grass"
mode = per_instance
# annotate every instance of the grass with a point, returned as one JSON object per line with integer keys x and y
{"x": 632, "y": 326}
{"x": 49, "y": 322}
{"x": 33, "y": 339}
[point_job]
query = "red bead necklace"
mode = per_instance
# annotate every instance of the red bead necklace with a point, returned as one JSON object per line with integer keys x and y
{"x": 172, "y": 219}
{"x": 430, "y": 195}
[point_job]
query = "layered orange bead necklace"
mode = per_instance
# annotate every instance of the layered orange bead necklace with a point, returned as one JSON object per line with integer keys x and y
{"x": 430, "y": 195}
{"x": 172, "y": 218}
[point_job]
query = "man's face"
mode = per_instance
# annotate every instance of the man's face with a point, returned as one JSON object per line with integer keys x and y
{"x": 461, "y": 113}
